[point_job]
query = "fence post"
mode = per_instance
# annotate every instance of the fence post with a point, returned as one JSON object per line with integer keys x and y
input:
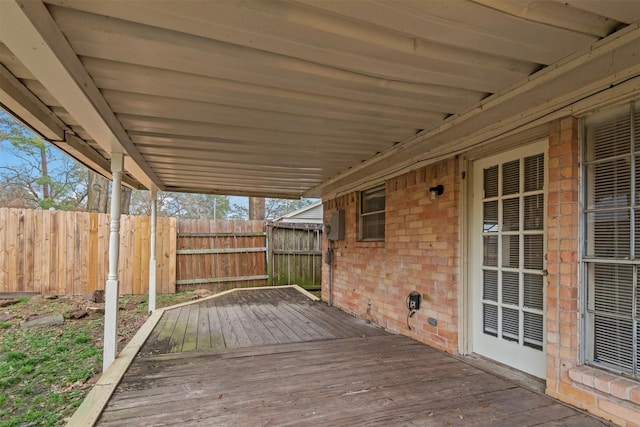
{"x": 268, "y": 237}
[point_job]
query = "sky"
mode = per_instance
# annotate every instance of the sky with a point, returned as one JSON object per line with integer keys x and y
{"x": 7, "y": 159}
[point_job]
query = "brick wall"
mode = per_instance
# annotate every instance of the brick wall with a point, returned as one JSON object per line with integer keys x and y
{"x": 420, "y": 253}
{"x": 608, "y": 396}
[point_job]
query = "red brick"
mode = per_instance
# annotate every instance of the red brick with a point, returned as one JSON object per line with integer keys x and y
{"x": 421, "y": 253}
{"x": 577, "y": 395}
{"x": 620, "y": 411}
{"x": 634, "y": 395}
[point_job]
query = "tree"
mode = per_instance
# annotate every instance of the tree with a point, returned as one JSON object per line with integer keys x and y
{"x": 182, "y": 205}
{"x": 257, "y": 208}
{"x": 275, "y": 208}
{"x": 239, "y": 212}
{"x": 40, "y": 174}
{"x": 98, "y": 193}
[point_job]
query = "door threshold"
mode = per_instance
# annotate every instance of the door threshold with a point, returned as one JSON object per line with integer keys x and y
{"x": 520, "y": 378}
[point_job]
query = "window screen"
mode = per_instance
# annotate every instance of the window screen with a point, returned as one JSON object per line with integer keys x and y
{"x": 372, "y": 203}
{"x": 612, "y": 228}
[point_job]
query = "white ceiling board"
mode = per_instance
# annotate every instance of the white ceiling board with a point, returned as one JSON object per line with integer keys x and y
{"x": 94, "y": 36}
{"x": 557, "y": 13}
{"x": 290, "y": 97}
{"x": 177, "y": 109}
{"x": 171, "y": 84}
{"x": 626, "y": 11}
{"x": 285, "y": 31}
{"x": 169, "y": 132}
{"x": 464, "y": 25}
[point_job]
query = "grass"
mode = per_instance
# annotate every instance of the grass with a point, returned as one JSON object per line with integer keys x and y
{"x": 44, "y": 371}
{"x": 42, "y": 374}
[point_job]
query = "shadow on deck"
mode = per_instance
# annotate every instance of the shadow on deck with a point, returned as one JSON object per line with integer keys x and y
{"x": 272, "y": 357}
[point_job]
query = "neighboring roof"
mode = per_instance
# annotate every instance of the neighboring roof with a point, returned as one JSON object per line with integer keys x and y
{"x": 309, "y": 213}
{"x": 292, "y": 98}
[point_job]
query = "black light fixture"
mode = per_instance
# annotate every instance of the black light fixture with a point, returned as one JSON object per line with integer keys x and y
{"x": 436, "y": 191}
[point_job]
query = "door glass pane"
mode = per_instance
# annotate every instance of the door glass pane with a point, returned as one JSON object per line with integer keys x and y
{"x": 511, "y": 251}
{"x": 490, "y": 216}
{"x": 533, "y": 328}
{"x": 511, "y": 214}
{"x": 510, "y": 324}
{"x": 490, "y": 319}
{"x": 491, "y": 182}
{"x": 490, "y": 251}
{"x": 534, "y": 173}
{"x": 533, "y": 291}
{"x": 534, "y": 212}
{"x": 636, "y": 125}
{"x": 511, "y": 177}
{"x": 490, "y": 285}
{"x": 510, "y": 288}
{"x": 636, "y": 232}
{"x": 637, "y": 176}
{"x": 533, "y": 251}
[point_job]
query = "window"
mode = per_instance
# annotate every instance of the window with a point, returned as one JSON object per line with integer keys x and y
{"x": 612, "y": 239}
{"x": 372, "y": 214}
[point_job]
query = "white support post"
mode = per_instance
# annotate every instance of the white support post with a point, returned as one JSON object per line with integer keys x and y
{"x": 111, "y": 289}
{"x": 152, "y": 259}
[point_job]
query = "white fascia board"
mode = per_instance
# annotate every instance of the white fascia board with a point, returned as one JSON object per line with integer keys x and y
{"x": 31, "y": 34}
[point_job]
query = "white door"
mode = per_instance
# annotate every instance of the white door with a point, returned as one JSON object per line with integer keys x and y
{"x": 508, "y": 258}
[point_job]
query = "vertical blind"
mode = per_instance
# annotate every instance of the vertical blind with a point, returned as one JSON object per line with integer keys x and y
{"x": 612, "y": 231}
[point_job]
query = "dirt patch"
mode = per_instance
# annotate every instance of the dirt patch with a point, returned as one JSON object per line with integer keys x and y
{"x": 83, "y": 311}
{"x": 46, "y": 371}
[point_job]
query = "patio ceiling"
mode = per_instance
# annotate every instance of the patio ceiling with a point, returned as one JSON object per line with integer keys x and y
{"x": 308, "y": 97}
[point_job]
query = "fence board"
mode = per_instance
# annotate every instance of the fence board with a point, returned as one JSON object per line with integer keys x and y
{"x": 295, "y": 252}
{"x": 46, "y": 253}
{"x": 56, "y": 252}
{"x": 170, "y": 258}
{"x": 4, "y": 249}
{"x": 11, "y": 243}
{"x": 220, "y": 254}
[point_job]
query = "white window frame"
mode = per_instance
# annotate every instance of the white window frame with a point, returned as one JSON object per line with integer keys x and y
{"x": 363, "y": 215}
{"x": 592, "y": 254}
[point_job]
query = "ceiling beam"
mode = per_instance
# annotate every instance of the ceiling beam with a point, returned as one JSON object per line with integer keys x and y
{"x": 17, "y": 99}
{"x": 30, "y": 33}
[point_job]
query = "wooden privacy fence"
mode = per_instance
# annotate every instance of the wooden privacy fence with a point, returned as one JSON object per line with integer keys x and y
{"x": 67, "y": 253}
{"x": 220, "y": 255}
{"x": 59, "y": 252}
{"x": 295, "y": 254}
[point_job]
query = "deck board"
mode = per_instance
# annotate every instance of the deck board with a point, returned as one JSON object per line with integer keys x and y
{"x": 285, "y": 361}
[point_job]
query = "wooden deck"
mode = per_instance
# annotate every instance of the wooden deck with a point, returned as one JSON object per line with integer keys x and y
{"x": 272, "y": 357}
